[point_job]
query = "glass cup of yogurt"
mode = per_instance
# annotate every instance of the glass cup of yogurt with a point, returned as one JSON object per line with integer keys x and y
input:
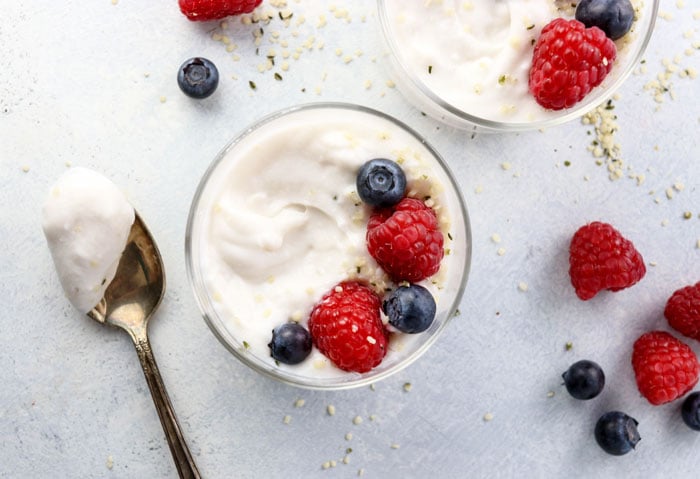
{"x": 467, "y": 63}
{"x": 276, "y": 222}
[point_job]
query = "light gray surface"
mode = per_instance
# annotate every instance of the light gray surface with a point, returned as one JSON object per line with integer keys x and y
{"x": 84, "y": 83}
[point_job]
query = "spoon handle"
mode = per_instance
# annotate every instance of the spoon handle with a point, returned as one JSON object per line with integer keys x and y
{"x": 181, "y": 454}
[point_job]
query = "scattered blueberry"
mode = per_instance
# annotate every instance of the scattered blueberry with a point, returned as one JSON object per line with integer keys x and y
{"x": 198, "y": 77}
{"x": 614, "y": 17}
{"x": 616, "y": 433}
{"x": 690, "y": 410}
{"x": 584, "y": 379}
{"x": 381, "y": 182}
{"x": 410, "y": 309}
{"x": 291, "y": 343}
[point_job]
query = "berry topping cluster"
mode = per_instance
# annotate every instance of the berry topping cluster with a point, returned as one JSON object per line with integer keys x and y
{"x": 352, "y": 323}
{"x": 571, "y": 57}
{"x": 665, "y": 367}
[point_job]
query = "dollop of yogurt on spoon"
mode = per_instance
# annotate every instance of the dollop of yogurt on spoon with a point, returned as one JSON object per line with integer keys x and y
{"x": 86, "y": 220}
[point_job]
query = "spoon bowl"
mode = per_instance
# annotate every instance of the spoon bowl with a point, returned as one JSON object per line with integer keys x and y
{"x": 128, "y": 303}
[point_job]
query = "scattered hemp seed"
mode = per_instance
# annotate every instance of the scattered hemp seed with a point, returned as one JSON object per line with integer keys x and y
{"x": 522, "y": 286}
{"x": 687, "y": 215}
{"x": 496, "y": 238}
{"x": 395, "y": 446}
{"x": 501, "y": 251}
{"x": 357, "y": 420}
{"x": 287, "y": 419}
{"x": 488, "y": 417}
{"x": 278, "y": 77}
{"x": 407, "y": 387}
{"x": 348, "y": 436}
{"x": 568, "y": 346}
{"x": 110, "y": 462}
{"x": 550, "y": 394}
{"x": 299, "y": 403}
{"x": 372, "y": 417}
{"x": 252, "y": 85}
{"x": 330, "y": 409}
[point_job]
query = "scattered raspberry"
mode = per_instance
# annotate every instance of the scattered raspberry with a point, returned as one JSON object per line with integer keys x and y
{"x": 665, "y": 368}
{"x": 202, "y": 10}
{"x": 347, "y": 328}
{"x": 568, "y": 61}
{"x": 600, "y": 258}
{"x": 405, "y": 240}
{"x": 683, "y": 311}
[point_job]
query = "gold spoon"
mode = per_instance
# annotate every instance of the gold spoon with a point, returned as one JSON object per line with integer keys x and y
{"x": 128, "y": 303}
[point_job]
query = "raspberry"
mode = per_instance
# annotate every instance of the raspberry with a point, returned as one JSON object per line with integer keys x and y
{"x": 346, "y": 326}
{"x": 203, "y": 10}
{"x": 665, "y": 367}
{"x": 600, "y": 258}
{"x": 405, "y": 240}
{"x": 683, "y": 311}
{"x": 568, "y": 61}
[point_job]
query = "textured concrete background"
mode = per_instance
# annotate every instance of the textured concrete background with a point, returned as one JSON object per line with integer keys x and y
{"x": 93, "y": 84}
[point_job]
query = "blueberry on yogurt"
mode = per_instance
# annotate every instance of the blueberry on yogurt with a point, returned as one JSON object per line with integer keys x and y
{"x": 381, "y": 182}
{"x": 410, "y": 309}
{"x": 290, "y": 344}
{"x": 198, "y": 77}
{"x": 614, "y": 17}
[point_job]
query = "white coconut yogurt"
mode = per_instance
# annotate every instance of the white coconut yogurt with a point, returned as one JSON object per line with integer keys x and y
{"x": 475, "y": 55}
{"x": 278, "y": 223}
{"x": 86, "y": 220}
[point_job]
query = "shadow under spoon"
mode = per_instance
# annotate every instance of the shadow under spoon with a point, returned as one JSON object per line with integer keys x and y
{"x": 128, "y": 303}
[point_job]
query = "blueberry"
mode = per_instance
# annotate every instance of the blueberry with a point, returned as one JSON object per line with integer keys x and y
{"x": 690, "y": 411}
{"x": 584, "y": 379}
{"x": 614, "y": 17}
{"x": 616, "y": 433}
{"x": 381, "y": 182}
{"x": 198, "y": 77}
{"x": 410, "y": 309}
{"x": 291, "y": 343}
